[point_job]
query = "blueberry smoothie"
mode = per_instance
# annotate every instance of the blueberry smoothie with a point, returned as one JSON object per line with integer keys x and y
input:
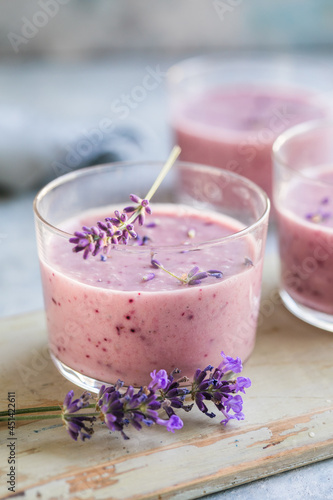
{"x": 305, "y": 222}
{"x": 234, "y": 128}
{"x": 107, "y": 321}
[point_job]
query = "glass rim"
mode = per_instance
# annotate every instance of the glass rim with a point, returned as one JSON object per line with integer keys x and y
{"x": 214, "y": 62}
{"x": 86, "y": 171}
{"x": 209, "y": 66}
{"x": 290, "y": 134}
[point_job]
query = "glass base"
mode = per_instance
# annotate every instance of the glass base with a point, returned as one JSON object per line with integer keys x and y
{"x": 311, "y": 316}
{"x": 88, "y": 383}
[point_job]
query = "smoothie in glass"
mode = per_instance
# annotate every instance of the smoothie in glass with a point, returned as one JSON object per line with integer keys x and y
{"x": 303, "y": 197}
{"x": 235, "y": 127}
{"x": 106, "y": 322}
{"x": 305, "y": 223}
{"x": 108, "y": 317}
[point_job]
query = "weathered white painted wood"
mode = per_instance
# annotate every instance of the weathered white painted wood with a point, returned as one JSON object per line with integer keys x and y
{"x": 288, "y": 409}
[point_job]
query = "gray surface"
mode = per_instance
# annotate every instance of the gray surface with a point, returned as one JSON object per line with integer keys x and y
{"x": 85, "y": 91}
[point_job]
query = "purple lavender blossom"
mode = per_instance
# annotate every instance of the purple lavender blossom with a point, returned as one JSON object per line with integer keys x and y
{"x": 215, "y": 273}
{"x": 242, "y": 383}
{"x": 174, "y": 423}
{"x": 196, "y": 278}
{"x": 135, "y": 408}
{"x": 148, "y": 277}
{"x": 209, "y": 385}
{"x": 112, "y": 231}
{"x": 119, "y": 409}
{"x": 159, "y": 380}
{"x": 230, "y": 364}
{"x": 321, "y": 215}
{"x": 193, "y": 277}
{"x": 76, "y": 424}
{"x": 138, "y": 212}
{"x": 111, "y": 407}
{"x": 156, "y": 263}
{"x": 173, "y": 395}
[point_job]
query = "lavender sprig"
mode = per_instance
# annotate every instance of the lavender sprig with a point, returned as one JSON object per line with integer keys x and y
{"x": 112, "y": 231}
{"x": 120, "y": 228}
{"x": 119, "y": 408}
{"x": 135, "y": 408}
{"x": 193, "y": 277}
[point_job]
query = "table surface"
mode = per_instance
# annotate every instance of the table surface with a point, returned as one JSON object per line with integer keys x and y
{"x": 20, "y": 288}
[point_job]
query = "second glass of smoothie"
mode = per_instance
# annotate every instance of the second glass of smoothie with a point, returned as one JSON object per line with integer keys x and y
{"x": 228, "y": 115}
{"x": 107, "y": 317}
{"x": 303, "y": 197}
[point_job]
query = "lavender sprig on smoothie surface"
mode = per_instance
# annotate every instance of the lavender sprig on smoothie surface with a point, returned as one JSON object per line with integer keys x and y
{"x": 193, "y": 277}
{"x": 322, "y": 214}
{"x": 119, "y": 229}
{"x": 120, "y": 408}
{"x": 112, "y": 231}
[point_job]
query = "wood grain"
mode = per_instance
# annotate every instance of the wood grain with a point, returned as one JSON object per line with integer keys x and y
{"x": 288, "y": 409}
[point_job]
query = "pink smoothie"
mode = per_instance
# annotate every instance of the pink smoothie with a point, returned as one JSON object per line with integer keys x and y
{"x": 105, "y": 322}
{"x": 305, "y": 223}
{"x": 234, "y": 128}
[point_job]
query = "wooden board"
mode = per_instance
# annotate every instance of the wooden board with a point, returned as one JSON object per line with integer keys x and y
{"x": 289, "y": 421}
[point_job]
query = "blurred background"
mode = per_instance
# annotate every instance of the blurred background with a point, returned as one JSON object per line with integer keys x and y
{"x": 81, "y": 28}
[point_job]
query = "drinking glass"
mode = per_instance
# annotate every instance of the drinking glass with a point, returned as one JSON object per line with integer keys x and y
{"x": 303, "y": 197}
{"x": 107, "y": 317}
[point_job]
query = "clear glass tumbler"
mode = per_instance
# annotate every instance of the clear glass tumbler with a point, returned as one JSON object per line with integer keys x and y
{"x": 108, "y": 318}
{"x": 303, "y": 197}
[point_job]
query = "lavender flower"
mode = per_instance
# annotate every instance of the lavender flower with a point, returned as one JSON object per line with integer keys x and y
{"x": 160, "y": 380}
{"x": 174, "y": 423}
{"x": 148, "y": 277}
{"x": 193, "y": 277}
{"x": 172, "y": 395}
{"x": 76, "y": 424}
{"x": 230, "y": 364}
{"x": 141, "y": 241}
{"x": 321, "y": 215}
{"x": 135, "y": 408}
{"x": 119, "y": 408}
{"x": 112, "y": 231}
{"x": 215, "y": 273}
{"x": 120, "y": 228}
{"x": 111, "y": 407}
{"x": 209, "y": 385}
{"x": 139, "y": 211}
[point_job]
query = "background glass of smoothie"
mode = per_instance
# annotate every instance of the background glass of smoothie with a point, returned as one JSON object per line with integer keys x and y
{"x": 229, "y": 114}
{"x": 105, "y": 322}
{"x": 303, "y": 196}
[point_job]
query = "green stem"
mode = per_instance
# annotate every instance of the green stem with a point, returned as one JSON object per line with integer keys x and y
{"x": 171, "y": 274}
{"x": 170, "y": 161}
{"x": 40, "y": 409}
{"x": 32, "y": 417}
{"x": 44, "y": 417}
{"x": 32, "y": 410}
{"x": 167, "y": 166}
